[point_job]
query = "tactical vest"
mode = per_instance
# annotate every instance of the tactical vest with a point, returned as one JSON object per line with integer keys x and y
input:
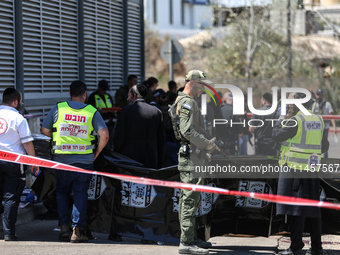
{"x": 73, "y": 131}
{"x": 318, "y": 109}
{"x": 100, "y": 103}
{"x": 303, "y": 151}
{"x": 174, "y": 115}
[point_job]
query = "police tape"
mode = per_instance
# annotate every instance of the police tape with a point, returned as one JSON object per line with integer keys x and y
{"x": 35, "y": 161}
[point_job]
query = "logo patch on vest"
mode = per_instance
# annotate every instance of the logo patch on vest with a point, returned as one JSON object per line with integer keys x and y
{"x": 73, "y": 147}
{"x": 75, "y": 118}
{"x": 313, "y": 125}
{"x": 313, "y": 162}
{"x": 79, "y": 131}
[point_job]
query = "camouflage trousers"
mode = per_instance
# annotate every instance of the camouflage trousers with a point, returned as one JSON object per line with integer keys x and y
{"x": 189, "y": 201}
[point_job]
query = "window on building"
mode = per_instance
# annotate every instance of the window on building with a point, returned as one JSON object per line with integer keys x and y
{"x": 170, "y": 13}
{"x": 154, "y": 11}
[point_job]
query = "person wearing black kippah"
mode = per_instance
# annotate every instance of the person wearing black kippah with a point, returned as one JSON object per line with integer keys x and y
{"x": 139, "y": 133}
{"x": 264, "y": 144}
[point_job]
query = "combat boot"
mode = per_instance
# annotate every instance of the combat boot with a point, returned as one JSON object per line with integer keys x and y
{"x": 202, "y": 244}
{"x": 78, "y": 237}
{"x": 191, "y": 248}
{"x": 64, "y": 233}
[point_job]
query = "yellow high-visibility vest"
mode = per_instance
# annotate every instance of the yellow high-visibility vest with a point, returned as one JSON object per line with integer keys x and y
{"x": 303, "y": 151}
{"x": 73, "y": 131}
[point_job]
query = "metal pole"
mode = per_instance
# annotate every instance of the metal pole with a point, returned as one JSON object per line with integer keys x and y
{"x": 19, "y": 48}
{"x": 171, "y": 65}
{"x": 289, "y": 45}
{"x": 81, "y": 44}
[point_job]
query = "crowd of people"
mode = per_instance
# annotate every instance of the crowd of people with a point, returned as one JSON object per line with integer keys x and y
{"x": 158, "y": 129}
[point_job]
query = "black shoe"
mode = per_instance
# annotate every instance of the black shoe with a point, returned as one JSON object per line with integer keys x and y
{"x": 115, "y": 238}
{"x": 290, "y": 252}
{"x": 10, "y": 237}
{"x": 144, "y": 241}
{"x": 313, "y": 252}
{"x": 202, "y": 244}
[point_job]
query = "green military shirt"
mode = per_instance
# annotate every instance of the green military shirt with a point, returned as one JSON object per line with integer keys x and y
{"x": 121, "y": 96}
{"x": 191, "y": 121}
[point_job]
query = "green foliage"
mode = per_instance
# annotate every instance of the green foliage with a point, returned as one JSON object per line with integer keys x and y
{"x": 269, "y": 54}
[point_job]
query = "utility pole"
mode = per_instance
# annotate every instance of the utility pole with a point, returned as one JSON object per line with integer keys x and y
{"x": 289, "y": 45}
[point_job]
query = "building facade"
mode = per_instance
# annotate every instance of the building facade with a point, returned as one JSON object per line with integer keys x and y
{"x": 178, "y": 14}
{"x": 45, "y": 45}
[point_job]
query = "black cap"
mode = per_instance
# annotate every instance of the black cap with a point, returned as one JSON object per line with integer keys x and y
{"x": 319, "y": 92}
{"x": 103, "y": 85}
{"x": 159, "y": 92}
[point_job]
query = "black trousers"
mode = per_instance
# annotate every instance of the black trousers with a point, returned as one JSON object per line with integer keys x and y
{"x": 296, "y": 231}
{"x": 11, "y": 187}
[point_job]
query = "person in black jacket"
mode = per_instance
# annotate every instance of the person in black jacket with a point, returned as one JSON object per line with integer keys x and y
{"x": 295, "y": 186}
{"x": 139, "y": 133}
{"x": 264, "y": 144}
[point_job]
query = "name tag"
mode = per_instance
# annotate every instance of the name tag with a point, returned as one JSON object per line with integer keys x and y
{"x": 73, "y": 147}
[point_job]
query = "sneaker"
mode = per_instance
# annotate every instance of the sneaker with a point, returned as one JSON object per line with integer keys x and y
{"x": 202, "y": 244}
{"x": 10, "y": 237}
{"x": 78, "y": 236}
{"x": 191, "y": 248}
{"x": 64, "y": 233}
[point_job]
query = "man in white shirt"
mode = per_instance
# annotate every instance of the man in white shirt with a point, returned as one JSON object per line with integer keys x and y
{"x": 15, "y": 136}
{"x": 321, "y": 107}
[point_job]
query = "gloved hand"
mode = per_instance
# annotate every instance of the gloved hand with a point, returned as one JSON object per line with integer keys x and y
{"x": 29, "y": 198}
{"x": 211, "y": 146}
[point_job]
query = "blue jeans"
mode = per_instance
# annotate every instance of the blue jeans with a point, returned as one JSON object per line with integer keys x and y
{"x": 243, "y": 147}
{"x": 78, "y": 183}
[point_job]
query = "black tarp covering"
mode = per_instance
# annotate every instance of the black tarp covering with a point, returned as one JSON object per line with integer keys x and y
{"x": 150, "y": 212}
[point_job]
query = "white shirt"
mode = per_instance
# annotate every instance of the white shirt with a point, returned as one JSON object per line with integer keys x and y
{"x": 14, "y": 130}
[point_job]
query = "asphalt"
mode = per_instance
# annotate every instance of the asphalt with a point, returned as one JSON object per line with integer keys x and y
{"x": 41, "y": 237}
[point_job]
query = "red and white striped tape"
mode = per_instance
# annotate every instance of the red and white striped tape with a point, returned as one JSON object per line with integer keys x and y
{"x": 29, "y": 160}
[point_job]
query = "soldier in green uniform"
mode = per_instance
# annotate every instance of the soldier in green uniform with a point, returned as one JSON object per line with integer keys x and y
{"x": 187, "y": 121}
